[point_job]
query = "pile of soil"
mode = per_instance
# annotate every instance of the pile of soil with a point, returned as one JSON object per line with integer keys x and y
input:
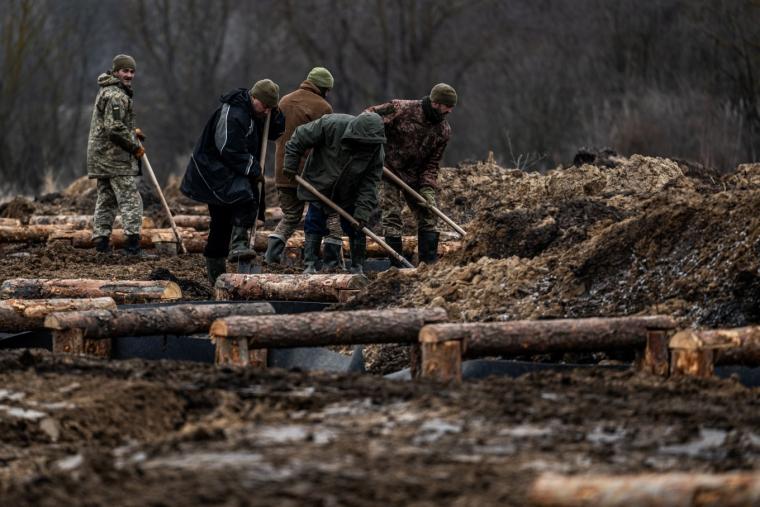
{"x": 86, "y": 432}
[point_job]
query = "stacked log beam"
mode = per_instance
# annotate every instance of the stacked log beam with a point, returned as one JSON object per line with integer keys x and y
{"x": 696, "y": 352}
{"x": 328, "y": 288}
{"x": 236, "y": 336}
{"x": 122, "y": 291}
{"x": 29, "y": 314}
{"x": 647, "y": 490}
{"x": 83, "y": 238}
{"x": 28, "y": 233}
{"x": 79, "y": 222}
{"x": 442, "y": 343}
{"x": 10, "y": 222}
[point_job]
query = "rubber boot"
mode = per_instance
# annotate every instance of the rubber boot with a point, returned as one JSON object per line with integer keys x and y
{"x": 239, "y": 246}
{"x": 331, "y": 250}
{"x": 358, "y": 254}
{"x": 102, "y": 244}
{"x": 215, "y": 267}
{"x": 275, "y": 248}
{"x": 311, "y": 245}
{"x": 132, "y": 248}
{"x": 427, "y": 244}
{"x": 395, "y": 243}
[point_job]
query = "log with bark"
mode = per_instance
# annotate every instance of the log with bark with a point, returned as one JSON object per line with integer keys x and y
{"x": 197, "y": 222}
{"x": 286, "y": 287}
{"x": 122, "y": 291}
{"x": 28, "y": 233}
{"x": 79, "y": 222}
{"x": 83, "y": 238}
{"x": 696, "y": 352}
{"x": 182, "y": 319}
{"x": 10, "y": 222}
{"x": 317, "y": 329}
{"x": 647, "y": 490}
{"x": 29, "y": 314}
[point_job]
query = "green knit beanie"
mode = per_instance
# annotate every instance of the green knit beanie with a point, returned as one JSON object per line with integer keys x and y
{"x": 123, "y": 62}
{"x": 443, "y": 94}
{"x": 321, "y": 77}
{"x": 267, "y": 91}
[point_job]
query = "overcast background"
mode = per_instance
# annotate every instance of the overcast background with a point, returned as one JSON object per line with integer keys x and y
{"x": 537, "y": 79}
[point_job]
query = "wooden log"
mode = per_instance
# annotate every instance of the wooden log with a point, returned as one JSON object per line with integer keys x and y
{"x": 692, "y": 363}
{"x": 656, "y": 357}
{"x": 84, "y": 239}
{"x": 73, "y": 341}
{"x": 29, "y": 314}
{"x": 79, "y": 222}
{"x": 27, "y": 233}
{"x": 10, "y": 222}
{"x": 197, "y": 222}
{"x": 286, "y": 287}
{"x": 647, "y": 490}
{"x": 185, "y": 319}
{"x": 316, "y": 329}
{"x": 545, "y": 336}
{"x": 235, "y": 352}
{"x": 730, "y": 346}
{"x": 442, "y": 361}
{"x": 122, "y": 291}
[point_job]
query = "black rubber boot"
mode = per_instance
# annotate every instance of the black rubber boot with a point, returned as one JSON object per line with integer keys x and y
{"x": 215, "y": 267}
{"x": 331, "y": 255}
{"x": 239, "y": 245}
{"x": 358, "y": 254}
{"x": 395, "y": 243}
{"x": 102, "y": 244}
{"x": 311, "y": 246}
{"x": 427, "y": 245}
{"x": 275, "y": 248}
{"x": 132, "y": 246}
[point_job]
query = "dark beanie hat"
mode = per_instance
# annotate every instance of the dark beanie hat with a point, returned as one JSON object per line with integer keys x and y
{"x": 123, "y": 62}
{"x": 267, "y": 92}
{"x": 443, "y": 94}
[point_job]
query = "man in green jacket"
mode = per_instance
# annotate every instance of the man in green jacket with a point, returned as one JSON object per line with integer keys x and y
{"x": 113, "y": 150}
{"x": 346, "y": 165}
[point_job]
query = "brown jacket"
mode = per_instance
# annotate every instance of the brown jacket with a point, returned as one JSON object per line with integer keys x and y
{"x": 299, "y": 107}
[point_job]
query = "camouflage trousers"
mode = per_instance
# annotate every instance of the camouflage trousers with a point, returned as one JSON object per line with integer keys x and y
{"x": 292, "y": 212}
{"x": 117, "y": 194}
{"x": 392, "y": 200}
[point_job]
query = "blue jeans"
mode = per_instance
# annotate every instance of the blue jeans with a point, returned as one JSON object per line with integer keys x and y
{"x": 316, "y": 222}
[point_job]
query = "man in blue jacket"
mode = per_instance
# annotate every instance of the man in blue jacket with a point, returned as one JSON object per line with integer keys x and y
{"x": 224, "y": 171}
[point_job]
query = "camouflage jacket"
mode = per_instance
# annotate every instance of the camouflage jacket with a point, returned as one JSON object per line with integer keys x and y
{"x": 112, "y": 140}
{"x": 415, "y": 146}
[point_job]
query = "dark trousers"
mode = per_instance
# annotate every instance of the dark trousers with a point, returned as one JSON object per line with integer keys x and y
{"x": 316, "y": 222}
{"x": 223, "y": 219}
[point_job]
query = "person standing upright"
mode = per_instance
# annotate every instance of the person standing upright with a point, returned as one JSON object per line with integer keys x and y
{"x": 417, "y": 133}
{"x": 303, "y": 105}
{"x": 224, "y": 170}
{"x": 113, "y": 151}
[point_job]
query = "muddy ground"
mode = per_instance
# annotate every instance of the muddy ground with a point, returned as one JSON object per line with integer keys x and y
{"x": 606, "y": 237}
{"x": 85, "y": 432}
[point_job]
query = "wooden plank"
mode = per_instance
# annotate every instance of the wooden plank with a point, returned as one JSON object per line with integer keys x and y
{"x": 29, "y": 314}
{"x": 270, "y": 286}
{"x": 79, "y": 222}
{"x": 442, "y": 361}
{"x": 122, "y": 291}
{"x": 73, "y": 341}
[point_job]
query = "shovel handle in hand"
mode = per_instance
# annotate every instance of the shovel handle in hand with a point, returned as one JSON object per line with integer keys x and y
{"x": 260, "y": 184}
{"x": 308, "y": 186}
{"x": 398, "y": 181}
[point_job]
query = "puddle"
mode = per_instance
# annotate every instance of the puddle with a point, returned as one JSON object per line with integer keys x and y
{"x": 5, "y": 394}
{"x": 69, "y": 463}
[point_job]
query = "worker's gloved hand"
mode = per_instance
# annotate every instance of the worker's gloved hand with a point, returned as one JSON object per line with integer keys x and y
{"x": 139, "y": 152}
{"x": 429, "y": 194}
{"x": 140, "y": 135}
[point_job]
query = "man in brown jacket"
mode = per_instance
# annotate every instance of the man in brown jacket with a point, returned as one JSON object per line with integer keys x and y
{"x": 301, "y": 106}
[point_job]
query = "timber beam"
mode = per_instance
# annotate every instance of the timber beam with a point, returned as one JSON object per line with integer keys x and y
{"x": 270, "y": 286}
{"x": 122, "y": 291}
{"x": 29, "y": 314}
{"x": 696, "y": 352}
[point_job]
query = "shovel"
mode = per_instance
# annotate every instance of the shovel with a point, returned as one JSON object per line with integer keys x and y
{"x": 308, "y": 186}
{"x": 253, "y": 266}
{"x": 152, "y": 176}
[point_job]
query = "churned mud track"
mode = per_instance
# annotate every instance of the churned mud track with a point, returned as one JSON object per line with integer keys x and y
{"x": 79, "y": 431}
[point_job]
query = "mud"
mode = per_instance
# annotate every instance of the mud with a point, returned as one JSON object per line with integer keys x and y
{"x": 84, "y": 432}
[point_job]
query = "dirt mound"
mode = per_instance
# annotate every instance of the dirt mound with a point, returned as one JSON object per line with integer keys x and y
{"x": 18, "y": 207}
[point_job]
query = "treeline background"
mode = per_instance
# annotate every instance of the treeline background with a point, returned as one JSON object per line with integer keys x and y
{"x": 537, "y": 79}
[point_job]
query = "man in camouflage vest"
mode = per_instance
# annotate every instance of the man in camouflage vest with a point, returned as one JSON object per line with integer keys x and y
{"x": 306, "y": 104}
{"x": 113, "y": 150}
{"x": 417, "y": 133}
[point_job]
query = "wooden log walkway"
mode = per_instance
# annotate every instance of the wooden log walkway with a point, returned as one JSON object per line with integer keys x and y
{"x": 29, "y": 314}
{"x": 443, "y": 346}
{"x": 270, "y": 286}
{"x": 696, "y": 352}
{"x": 237, "y": 337}
{"x": 122, "y": 291}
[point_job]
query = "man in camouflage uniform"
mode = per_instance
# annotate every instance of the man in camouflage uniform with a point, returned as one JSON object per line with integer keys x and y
{"x": 417, "y": 133}
{"x": 113, "y": 150}
{"x": 306, "y": 104}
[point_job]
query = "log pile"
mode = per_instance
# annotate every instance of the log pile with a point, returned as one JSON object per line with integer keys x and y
{"x": 444, "y": 345}
{"x": 647, "y": 490}
{"x": 326, "y": 288}
{"x": 80, "y": 222}
{"x": 10, "y": 222}
{"x": 696, "y": 352}
{"x": 27, "y": 233}
{"x": 122, "y": 291}
{"x": 83, "y": 238}
{"x": 237, "y": 336}
{"x": 29, "y": 314}
{"x": 78, "y": 332}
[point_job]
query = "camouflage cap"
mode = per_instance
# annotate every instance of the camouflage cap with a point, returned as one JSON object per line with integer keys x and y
{"x": 267, "y": 91}
{"x": 123, "y": 62}
{"x": 321, "y": 77}
{"x": 443, "y": 94}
